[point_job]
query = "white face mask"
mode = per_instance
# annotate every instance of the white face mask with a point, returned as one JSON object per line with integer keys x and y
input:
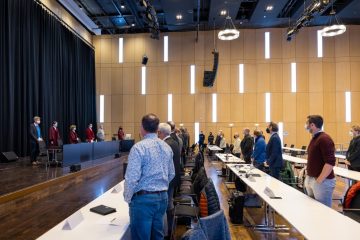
{"x": 37, "y": 122}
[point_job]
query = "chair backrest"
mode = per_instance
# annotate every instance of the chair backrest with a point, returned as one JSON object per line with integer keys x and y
{"x": 209, "y": 200}
{"x": 303, "y": 147}
{"x": 285, "y": 144}
{"x": 293, "y": 153}
{"x": 292, "y": 145}
{"x": 215, "y": 226}
{"x": 200, "y": 181}
{"x": 352, "y": 197}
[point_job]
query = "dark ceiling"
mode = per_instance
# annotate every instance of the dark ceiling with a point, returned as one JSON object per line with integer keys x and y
{"x": 126, "y": 16}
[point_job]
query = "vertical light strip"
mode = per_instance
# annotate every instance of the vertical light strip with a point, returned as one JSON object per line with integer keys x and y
{"x": 241, "y": 78}
{"x": 267, "y": 107}
{"x": 197, "y": 132}
{"x": 319, "y": 44}
{"x": 102, "y": 108}
{"x": 293, "y": 77}
{"x": 214, "y": 107}
{"x": 281, "y": 132}
{"x": 192, "y": 79}
{"x": 166, "y": 48}
{"x": 170, "y": 105}
{"x": 143, "y": 80}
{"x": 348, "y": 107}
{"x": 121, "y": 50}
{"x": 267, "y": 45}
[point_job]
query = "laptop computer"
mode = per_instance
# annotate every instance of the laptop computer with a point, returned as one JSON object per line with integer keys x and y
{"x": 102, "y": 209}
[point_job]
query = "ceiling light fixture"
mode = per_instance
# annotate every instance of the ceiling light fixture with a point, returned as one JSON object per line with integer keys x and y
{"x": 223, "y": 12}
{"x": 229, "y": 31}
{"x": 334, "y": 28}
{"x": 269, "y": 8}
{"x": 122, "y": 6}
{"x": 178, "y": 17}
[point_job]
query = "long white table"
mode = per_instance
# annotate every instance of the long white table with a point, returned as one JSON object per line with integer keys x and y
{"x": 228, "y": 158}
{"x": 311, "y": 218}
{"x": 95, "y": 226}
{"x": 295, "y": 149}
{"x": 213, "y": 148}
{"x": 339, "y": 171}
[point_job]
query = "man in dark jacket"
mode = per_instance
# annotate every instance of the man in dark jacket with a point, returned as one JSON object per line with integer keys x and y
{"x": 274, "y": 151}
{"x": 247, "y": 145}
{"x": 211, "y": 139}
{"x": 218, "y": 138}
{"x": 353, "y": 153}
{"x": 35, "y": 138}
{"x": 201, "y": 140}
{"x": 164, "y": 134}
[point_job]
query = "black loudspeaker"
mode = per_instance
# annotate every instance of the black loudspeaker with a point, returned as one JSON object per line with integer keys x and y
{"x": 75, "y": 168}
{"x": 210, "y": 76}
{"x": 144, "y": 60}
{"x": 8, "y": 157}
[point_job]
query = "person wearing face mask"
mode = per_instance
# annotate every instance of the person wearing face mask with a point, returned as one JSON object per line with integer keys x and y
{"x": 320, "y": 180}
{"x": 89, "y": 133}
{"x": 73, "y": 137}
{"x": 274, "y": 157}
{"x": 259, "y": 153}
{"x": 353, "y": 152}
{"x": 35, "y": 138}
{"x": 54, "y": 135}
{"x": 237, "y": 149}
{"x": 246, "y": 145}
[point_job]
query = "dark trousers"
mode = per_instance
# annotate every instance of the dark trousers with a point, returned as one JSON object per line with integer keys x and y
{"x": 34, "y": 151}
{"x": 247, "y": 159}
{"x": 275, "y": 172}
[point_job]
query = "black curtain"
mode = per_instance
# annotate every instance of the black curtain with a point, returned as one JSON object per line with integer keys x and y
{"x": 45, "y": 70}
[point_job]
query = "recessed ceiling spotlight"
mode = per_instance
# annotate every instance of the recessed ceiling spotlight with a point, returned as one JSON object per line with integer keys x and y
{"x": 269, "y": 8}
{"x": 223, "y": 12}
{"x": 122, "y": 6}
{"x": 178, "y": 17}
{"x": 133, "y": 24}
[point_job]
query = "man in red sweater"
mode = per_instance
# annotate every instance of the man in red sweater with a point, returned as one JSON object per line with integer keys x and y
{"x": 90, "y": 136}
{"x": 320, "y": 180}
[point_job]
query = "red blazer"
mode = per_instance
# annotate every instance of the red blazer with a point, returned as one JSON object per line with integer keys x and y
{"x": 90, "y": 136}
{"x": 121, "y": 135}
{"x": 54, "y": 136}
{"x": 73, "y": 138}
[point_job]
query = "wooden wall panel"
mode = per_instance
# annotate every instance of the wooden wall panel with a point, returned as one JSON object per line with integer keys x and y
{"x": 321, "y": 82}
{"x": 355, "y": 113}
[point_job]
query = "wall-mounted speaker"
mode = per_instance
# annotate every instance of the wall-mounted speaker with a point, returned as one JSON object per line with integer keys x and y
{"x": 144, "y": 60}
{"x": 210, "y": 76}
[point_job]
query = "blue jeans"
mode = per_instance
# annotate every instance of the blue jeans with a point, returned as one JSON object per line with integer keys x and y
{"x": 321, "y": 192}
{"x": 147, "y": 215}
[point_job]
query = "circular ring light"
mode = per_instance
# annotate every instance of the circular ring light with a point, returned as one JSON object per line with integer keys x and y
{"x": 333, "y": 30}
{"x": 228, "y": 34}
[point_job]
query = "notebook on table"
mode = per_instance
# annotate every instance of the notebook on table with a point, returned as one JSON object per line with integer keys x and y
{"x": 102, "y": 209}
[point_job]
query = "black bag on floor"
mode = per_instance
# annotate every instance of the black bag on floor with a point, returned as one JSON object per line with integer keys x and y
{"x": 236, "y": 206}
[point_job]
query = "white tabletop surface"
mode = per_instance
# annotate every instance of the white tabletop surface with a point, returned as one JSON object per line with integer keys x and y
{"x": 294, "y": 149}
{"x": 340, "y": 156}
{"x": 230, "y": 158}
{"x": 213, "y": 148}
{"x": 339, "y": 171}
{"x": 311, "y": 218}
{"x": 95, "y": 226}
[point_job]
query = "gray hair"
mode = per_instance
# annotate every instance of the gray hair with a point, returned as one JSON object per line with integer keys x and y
{"x": 165, "y": 128}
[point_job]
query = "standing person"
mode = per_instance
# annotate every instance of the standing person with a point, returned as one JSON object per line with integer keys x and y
{"x": 274, "y": 157}
{"x": 100, "y": 135}
{"x": 320, "y": 180}
{"x": 35, "y": 138}
{"x": 237, "y": 142}
{"x": 218, "y": 138}
{"x": 148, "y": 174}
{"x": 73, "y": 137}
{"x": 211, "y": 139}
{"x": 54, "y": 135}
{"x": 89, "y": 133}
{"x": 201, "y": 140}
{"x": 247, "y": 145}
{"x": 173, "y": 131}
{"x": 164, "y": 134}
{"x": 259, "y": 153}
{"x": 121, "y": 134}
{"x": 353, "y": 152}
{"x": 222, "y": 144}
